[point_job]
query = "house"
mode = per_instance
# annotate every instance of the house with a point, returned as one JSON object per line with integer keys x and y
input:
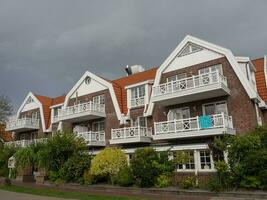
{"x": 200, "y": 91}
{"x": 32, "y": 122}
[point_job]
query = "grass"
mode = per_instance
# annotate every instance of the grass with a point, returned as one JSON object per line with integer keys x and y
{"x": 65, "y": 195}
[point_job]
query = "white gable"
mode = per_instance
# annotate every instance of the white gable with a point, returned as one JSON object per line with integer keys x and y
{"x": 88, "y": 87}
{"x": 30, "y": 106}
{"x": 191, "y": 55}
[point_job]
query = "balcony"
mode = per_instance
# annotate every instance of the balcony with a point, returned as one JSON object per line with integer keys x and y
{"x": 81, "y": 112}
{"x": 131, "y": 135}
{"x": 21, "y": 125}
{"x": 190, "y": 89}
{"x": 137, "y": 102}
{"x": 25, "y": 143}
{"x": 199, "y": 126}
{"x": 93, "y": 138}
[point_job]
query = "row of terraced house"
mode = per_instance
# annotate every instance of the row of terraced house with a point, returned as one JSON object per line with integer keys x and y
{"x": 200, "y": 91}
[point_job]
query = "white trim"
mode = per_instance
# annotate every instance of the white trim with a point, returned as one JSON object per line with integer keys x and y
{"x": 265, "y": 70}
{"x": 101, "y": 81}
{"x": 214, "y": 102}
{"x": 139, "y": 84}
{"x": 226, "y": 52}
{"x": 57, "y": 105}
{"x": 30, "y": 94}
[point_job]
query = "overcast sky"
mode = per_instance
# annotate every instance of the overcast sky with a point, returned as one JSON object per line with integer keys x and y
{"x": 45, "y": 46}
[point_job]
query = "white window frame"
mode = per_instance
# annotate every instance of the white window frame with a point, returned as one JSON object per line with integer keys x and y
{"x": 184, "y": 165}
{"x": 99, "y": 99}
{"x": 181, "y": 109}
{"x": 176, "y": 77}
{"x": 138, "y": 121}
{"x": 212, "y": 168}
{"x": 209, "y": 69}
{"x": 98, "y": 124}
{"x": 216, "y": 102}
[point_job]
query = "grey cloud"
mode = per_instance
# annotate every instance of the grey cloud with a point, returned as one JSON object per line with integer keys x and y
{"x": 45, "y": 46}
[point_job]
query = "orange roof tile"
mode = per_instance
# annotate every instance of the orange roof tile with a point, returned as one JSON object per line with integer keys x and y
{"x": 46, "y": 103}
{"x": 260, "y": 78}
{"x": 120, "y": 84}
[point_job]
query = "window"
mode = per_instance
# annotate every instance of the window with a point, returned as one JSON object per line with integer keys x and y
{"x": 205, "y": 159}
{"x": 98, "y": 126}
{"x": 139, "y": 121}
{"x": 56, "y": 111}
{"x": 100, "y": 99}
{"x": 190, "y": 48}
{"x": 35, "y": 115}
{"x": 138, "y": 92}
{"x": 176, "y": 77}
{"x": 87, "y": 80}
{"x": 189, "y": 161}
{"x": 211, "y": 69}
{"x": 215, "y": 108}
{"x": 179, "y": 113}
{"x": 29, "y": 100}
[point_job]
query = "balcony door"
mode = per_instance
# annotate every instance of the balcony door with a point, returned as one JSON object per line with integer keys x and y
{"x": 179, "y": 113}
{"x": 207, "y": 75}
{"x": 98, "y": 126}
{"x": 139, "y": 121}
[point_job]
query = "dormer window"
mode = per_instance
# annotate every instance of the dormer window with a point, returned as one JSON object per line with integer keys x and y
{"x": 138, "y": 96}
{"x": 29, "y": 100}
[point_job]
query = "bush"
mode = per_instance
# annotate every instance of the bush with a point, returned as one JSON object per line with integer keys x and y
{"x": 162, "y": 181}
{"x": 74, "y": 168}
{"x": 223, "y": 173}
{"x": 188, "y": 182}
{"x": 125, "y": 177}
{"x": 144, "y": 167}
{"x": 5, "y": 153}
{"x": 107, "y": 164}
{"x": 24, "y": 157}
{"x": 214, "y": 184}
{"x": 53, "y": 176}
{"x": 88, "y": 178}
{"x": 61, "y": 147}
{"x": 250, "y": 182}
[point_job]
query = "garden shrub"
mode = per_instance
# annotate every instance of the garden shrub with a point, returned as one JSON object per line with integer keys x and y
{"x": 252, "y": 182}
{"x": 53, "y": 176}
{"x": 163, "y": 180}
{"x": 147, "y": 165}
{"x": 107, "y": 164}
{"x": 214, "y": 184}
{"x": 24, "y": 158}
{"x": 144, "y": 168}
{"x": 188, "y": 182}
{"x": 5, "y": 153}
{"x": 88, "y": 178}
{"x": 74, "y": 168}
{"x": 125, "y": 177}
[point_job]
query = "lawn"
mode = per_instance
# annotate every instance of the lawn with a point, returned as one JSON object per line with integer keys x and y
{"x": 65, "y": 195}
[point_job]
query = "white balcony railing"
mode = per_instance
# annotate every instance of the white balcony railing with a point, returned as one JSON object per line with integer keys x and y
{"x": 201, "y": 80}
{"x": 25, "y": 143}
{"x": 194, "y": 124}
{"x": 24, "y": 122}
{"x": 93, "y": 137}
{"x": 131, "y": 132}
{"x": 137, "y": 102}
{"x": 80, "y": 108}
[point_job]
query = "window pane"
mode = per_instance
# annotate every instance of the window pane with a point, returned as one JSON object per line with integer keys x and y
{"x": 209, "y": 109}
{"x": 142, "y": 91}
{"x": 205, "y": 160}
{"x": 142, "y": 121}
{"x": 221, "y": 108}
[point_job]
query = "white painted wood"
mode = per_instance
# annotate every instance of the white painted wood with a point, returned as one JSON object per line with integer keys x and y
{"x": 192, "y": 59}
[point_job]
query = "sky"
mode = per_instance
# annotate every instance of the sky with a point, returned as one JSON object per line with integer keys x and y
{"x": 46, "y": 46}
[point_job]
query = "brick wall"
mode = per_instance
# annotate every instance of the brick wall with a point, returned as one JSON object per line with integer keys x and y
{"x": 240, "y": 106}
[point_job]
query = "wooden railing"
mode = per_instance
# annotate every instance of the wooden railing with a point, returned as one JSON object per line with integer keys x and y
{"x": 130, "y": 132}
{"x": 201, "y": 80}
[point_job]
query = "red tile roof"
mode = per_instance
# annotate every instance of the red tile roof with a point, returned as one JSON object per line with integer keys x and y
{"x": 260, "y": 78}
{"x": 46, "y": 103}
{"x": 120, "y": 84}
{"x": 6, "y": 136}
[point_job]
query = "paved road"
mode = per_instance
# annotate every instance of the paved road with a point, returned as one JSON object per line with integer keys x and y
{"x": 6, "y": 195}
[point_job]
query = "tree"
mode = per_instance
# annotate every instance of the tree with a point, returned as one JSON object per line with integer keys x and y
{"x": 5, "y": 108}
{"x": 107, "y": 164}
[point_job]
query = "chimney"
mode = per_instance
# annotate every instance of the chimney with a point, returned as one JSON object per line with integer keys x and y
{"x": 134, "y": 69}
